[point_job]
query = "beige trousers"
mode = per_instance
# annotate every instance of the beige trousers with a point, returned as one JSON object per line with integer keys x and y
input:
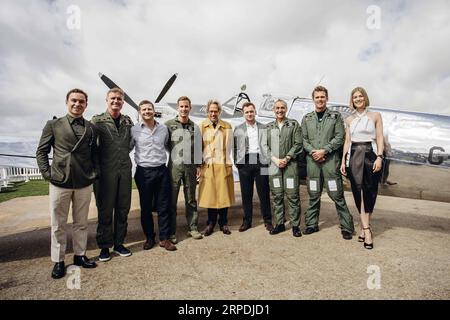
{"x": 60, "y": 199}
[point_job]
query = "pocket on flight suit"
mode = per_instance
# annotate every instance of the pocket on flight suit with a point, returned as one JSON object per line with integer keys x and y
{"x": 276, "y": 182}
{"x": 314, "y": 186}
{"x": 334, "y": 187}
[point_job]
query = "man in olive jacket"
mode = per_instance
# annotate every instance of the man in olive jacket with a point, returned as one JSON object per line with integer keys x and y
{"x": 71, "y": 175}
{"x": 113, "y": 189}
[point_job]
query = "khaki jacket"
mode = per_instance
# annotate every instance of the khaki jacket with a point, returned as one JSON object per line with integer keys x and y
{"x": 216, "y": 188}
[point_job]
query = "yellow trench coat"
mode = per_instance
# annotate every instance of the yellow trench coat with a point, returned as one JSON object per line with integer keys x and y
{"x": 216, "y": 188}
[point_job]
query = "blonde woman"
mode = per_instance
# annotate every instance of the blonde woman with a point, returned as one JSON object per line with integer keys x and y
{"x": 363, "y": 147}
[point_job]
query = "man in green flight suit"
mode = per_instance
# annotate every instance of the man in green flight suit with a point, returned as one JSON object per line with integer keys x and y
{"x": 113, "y": 189}
{"x": 323, "y": 136}
{"x": 185, "y": 145}
{"x": 284, "y": 141}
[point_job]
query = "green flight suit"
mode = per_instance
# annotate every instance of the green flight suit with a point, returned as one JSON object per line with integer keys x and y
{"x": 113, "y": 189}
{"x": 329, "y": 135}
{"x": 282, "y": 143}
{"x": 185, "y": 145}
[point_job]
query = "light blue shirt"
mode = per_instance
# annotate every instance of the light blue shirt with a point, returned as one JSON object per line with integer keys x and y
{"x": 151, "y": 146}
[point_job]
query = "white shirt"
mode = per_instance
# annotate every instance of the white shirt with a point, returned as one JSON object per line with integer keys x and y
{"x": 151, "y": 146}
{"x": 252, "y": 134}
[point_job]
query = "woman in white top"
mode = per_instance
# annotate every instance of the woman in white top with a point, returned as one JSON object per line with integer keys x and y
{"x": 364, "y": 133}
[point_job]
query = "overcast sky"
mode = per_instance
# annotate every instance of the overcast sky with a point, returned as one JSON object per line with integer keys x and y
{"x": 283, "y": 46}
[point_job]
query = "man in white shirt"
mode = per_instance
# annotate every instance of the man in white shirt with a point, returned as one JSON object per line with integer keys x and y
{"x": 151, "y": 141}
{"x": 250, "y": 157}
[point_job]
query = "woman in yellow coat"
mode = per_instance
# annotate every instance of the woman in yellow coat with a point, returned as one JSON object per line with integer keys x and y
{"x": 216, "y": 190}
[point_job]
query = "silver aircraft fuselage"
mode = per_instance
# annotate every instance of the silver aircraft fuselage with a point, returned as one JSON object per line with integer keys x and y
{"x": 417, "y": 144}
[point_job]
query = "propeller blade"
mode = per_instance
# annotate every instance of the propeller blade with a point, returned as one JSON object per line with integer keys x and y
{"x": 110, "y": 84}
{"x": 166, "y": 87}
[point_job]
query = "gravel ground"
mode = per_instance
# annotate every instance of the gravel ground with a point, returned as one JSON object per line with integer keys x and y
{"x": 411, "y": 252}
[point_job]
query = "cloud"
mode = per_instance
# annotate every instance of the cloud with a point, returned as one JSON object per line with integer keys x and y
{"x": 284, "y": 46}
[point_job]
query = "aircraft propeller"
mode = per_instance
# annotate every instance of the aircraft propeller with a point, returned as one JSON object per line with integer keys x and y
{"x": 110, "y": 84}
{"x": 166, "y": 87}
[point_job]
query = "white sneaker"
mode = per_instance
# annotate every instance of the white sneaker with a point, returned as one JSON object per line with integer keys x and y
{"x": 195, "y": 234}
{"x": 173, "y": 239}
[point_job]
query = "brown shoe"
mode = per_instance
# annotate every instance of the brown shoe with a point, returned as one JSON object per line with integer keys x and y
{"x": 209, "y": 230}
{"x": 166, "y": 244}
{"x": 244, "y": 227}
{"x": 269, "y": 226}
{"x": 225, "y": 229}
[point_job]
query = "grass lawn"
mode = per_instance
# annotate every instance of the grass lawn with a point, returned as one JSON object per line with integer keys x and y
{"x": 32, "y": 188}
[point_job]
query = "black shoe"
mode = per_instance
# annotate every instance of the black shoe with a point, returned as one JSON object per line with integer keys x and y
{"x": 104, "y": 255}
{"x": 346, "y": 235}
{"x": 59, "y": 270}
{"x": 310, "y": 230}
{"x": 225, "y": 230}
{"x": 368, "y": 245}
{"x": 244, "y": 227}
{"x": 279, "y": 228}
{"x": 150, "y": 243}
{"x": 122, "y": 251}
{"x": 296, "y": 232}
{"x": 83, "y": 261}
{"x": 269, "y": 226}
{"x": 209, "y": 230}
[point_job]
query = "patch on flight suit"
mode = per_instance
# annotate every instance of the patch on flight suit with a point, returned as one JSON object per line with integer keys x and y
{"x": 127, "y": 120}
{"x": 313, "y": 185}
{"x": 276, "y": 183}
{"x": 332, "y": 185}
{"x": 290, "y": 183}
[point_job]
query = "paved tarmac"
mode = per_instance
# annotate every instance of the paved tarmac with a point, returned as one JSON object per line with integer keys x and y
{"x": 410, "y": 259}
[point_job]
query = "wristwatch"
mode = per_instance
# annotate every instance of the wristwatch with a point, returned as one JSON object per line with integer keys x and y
{"x": 380, "y": 156}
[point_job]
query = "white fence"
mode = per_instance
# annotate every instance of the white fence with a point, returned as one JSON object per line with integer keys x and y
{"x": 9, "y": 175}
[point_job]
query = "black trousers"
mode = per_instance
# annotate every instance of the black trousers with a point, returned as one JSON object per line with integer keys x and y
{"x": 223, "y": 216}
{"x": 250, "y": 174}
{"x": 154, "y": 184}
{"x": 362, "y": 177}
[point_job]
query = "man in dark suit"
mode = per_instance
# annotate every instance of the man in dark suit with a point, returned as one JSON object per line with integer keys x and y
{"x": 250, "y": 157}
{"x": 71, "y": 175}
